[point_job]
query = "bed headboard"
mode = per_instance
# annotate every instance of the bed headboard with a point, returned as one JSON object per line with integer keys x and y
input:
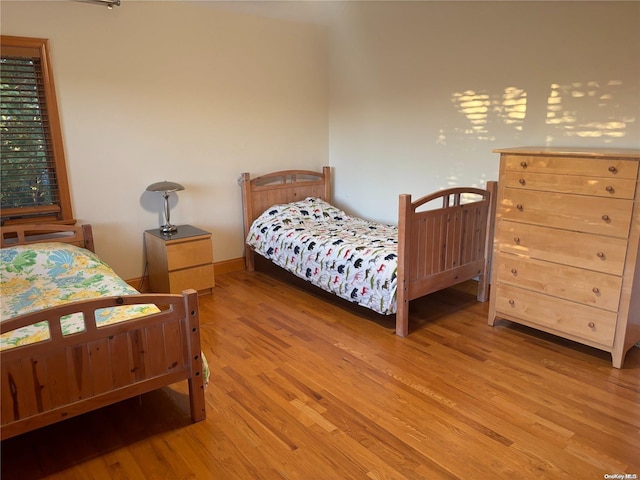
{"x": 285, "y": 186}
{"x": 80, "y": 235}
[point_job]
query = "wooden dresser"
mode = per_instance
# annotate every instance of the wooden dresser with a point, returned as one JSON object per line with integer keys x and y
{"x": 566, "y": 245}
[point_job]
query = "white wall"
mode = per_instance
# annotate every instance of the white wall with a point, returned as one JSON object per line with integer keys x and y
{"x": 421, "y": 92}
{"x": 177, "y": 91}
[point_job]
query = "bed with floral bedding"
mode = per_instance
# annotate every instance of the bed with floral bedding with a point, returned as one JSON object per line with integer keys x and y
{"x": 440, "y": 240}
{"x": 74, "y": 336}
{"x": 38, "y": 276}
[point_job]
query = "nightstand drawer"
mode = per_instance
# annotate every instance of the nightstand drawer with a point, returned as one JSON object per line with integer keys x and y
{"x": 574, "y": 184}
{"x": 603, "y": 216}
{"x": 198, "y": 278}
{"x": 583, "y": 250}
{"x": 576, "y": 284}
{"x": 556, "y": 316}
{"x": 189, "y": 253}
{"x": 570, "y": 165}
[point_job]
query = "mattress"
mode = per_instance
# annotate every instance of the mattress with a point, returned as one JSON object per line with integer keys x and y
{"x": 351, "y": 257}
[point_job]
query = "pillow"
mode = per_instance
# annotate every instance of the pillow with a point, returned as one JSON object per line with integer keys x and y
{"x": 309, "y": 209}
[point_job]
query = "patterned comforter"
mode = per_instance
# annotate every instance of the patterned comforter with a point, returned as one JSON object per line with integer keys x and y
{"x": 37, "y": 276}
{"x": 345, "y": 255}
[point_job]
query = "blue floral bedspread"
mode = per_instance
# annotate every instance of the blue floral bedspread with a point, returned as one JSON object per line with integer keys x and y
{"x": 353, "y": 258}
{"x": 37, "y": 276}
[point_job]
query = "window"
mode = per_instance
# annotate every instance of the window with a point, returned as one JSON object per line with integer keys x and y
{"x": 34, "y": 187}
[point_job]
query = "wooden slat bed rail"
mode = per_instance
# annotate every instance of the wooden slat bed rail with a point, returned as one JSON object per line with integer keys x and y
{"x": 442, "y": 247}
{"x": 80, "y": 235}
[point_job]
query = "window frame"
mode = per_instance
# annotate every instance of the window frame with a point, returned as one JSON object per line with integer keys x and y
{"x": 62, "y": 213}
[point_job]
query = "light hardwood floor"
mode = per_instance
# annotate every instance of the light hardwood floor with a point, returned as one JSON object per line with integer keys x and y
{"x": 308, "y": 388}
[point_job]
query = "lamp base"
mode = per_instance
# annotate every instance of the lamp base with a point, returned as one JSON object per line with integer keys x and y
{"x": 168, "y": 229}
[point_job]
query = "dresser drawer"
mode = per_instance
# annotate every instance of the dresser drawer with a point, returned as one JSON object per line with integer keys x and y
{"x": 190, "y": 253}
{"x": 596, "y": 167}
{"x": 576, "y": 284}
{"x": 583, "y": 250}
{"x": 556, "y": 316}
{"x": 604, "y": 216}
{"x": 576, "y": 184}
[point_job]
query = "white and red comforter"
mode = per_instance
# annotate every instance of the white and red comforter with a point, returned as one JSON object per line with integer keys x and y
{"x": 353, "y": 258}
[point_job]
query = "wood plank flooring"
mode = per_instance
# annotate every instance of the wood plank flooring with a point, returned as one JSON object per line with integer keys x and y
{"x": 304, "y": 387}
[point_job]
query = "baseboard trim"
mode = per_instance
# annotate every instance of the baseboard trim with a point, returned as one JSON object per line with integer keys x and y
{"x": 140, "y": 283}
{"x": 227, "y": 266}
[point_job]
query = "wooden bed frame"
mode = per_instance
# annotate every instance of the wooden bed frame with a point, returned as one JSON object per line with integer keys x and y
{"x": 437, "y": 248}
{"x": 65, "y": 376}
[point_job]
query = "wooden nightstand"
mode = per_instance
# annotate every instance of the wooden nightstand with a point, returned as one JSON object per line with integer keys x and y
{"x": 179, "y": 261}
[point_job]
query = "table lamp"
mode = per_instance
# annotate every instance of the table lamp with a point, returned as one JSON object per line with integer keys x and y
{"x": 166, "y": 188}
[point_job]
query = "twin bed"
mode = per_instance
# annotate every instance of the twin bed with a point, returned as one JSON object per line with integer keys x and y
{"x": 441, "y": 240}
{"x": 75, "y": 337}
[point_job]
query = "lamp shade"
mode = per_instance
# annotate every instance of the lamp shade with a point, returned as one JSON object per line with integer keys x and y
{"x": 165, "y": 187}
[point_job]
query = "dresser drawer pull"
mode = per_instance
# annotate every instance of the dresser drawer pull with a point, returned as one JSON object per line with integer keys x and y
{"x": 520, "y": 207}
{"x": 523, "y": 164}
{"x": 606, "y": 218}
{"x": 522, "y": 182}
{"x": 600, "y": 254}
{"x": 514, "y": 272}
{"x": 613, "y": 169}
{"x": 596, "y": 290}
{"x": 516, "y": 240}
{"x": 610, "y": 189}
{"x": 592, "y": 325}
{"x": 512, "y": 302}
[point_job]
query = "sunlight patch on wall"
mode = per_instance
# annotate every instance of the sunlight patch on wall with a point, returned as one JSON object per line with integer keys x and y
{"x": 588, "y": 110}
{"x": 475, "y": 107}
{"x": 484, "y": 110}
{"x": 454, "y": 180}
{"x": 513, "y": 107}
{"x": 580, "y": 109}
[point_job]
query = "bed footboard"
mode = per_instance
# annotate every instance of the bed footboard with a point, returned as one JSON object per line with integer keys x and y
{"x": 442, "y": 247}
{"x": 64, "y": 376}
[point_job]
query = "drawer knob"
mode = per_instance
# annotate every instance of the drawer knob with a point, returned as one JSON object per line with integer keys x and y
{"x": 600, "y": 254}
{"x": 522, "y": 181}
{"x": 610, "y": 189}
{"x": 606, "y": 218}
{"x": 512, "y": 302}
{"x": 516, "y": 240}
{"x": 613, "y": 169}
{"x": 523, "y": 164}
{"x": 595, "y": 290}
{"x": 592, "y": 325}
{"x": 520, "y": 207}
{"x": 514, "y": 271}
